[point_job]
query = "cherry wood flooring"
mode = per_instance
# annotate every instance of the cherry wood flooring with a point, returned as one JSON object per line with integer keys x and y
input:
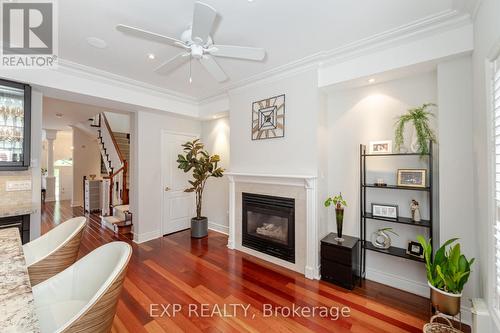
{"x": 179, "y": 270}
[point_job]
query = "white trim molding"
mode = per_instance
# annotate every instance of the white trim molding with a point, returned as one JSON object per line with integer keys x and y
{"x": 223, "y": 229}
{"x": 309, "y": 183}
{"x": 147, "y": 236}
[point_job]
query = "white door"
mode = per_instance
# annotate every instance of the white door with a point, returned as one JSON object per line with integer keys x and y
{"x": 178, "y": 206}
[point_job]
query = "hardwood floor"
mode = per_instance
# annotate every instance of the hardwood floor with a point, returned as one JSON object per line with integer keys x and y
{"x": 179, "y": 270}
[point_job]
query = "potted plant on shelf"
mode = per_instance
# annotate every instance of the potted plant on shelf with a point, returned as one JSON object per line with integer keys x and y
{"x": 204, "y": 166}
{"x": 339, "y": 203}
{"x": 419, "y": 117}
{"x": 447, "y": 274}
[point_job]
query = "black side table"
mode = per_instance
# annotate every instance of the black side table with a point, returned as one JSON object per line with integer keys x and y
{"x": 340, "y": 260}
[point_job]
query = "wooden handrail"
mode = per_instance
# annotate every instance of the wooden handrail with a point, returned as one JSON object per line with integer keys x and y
{"x": 123, "y": 168}
{"x": 117, "y": 171}
{"x": 120, "y": 156}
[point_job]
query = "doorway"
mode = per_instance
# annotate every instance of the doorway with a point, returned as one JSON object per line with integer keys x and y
{"x": 178, "y": 207}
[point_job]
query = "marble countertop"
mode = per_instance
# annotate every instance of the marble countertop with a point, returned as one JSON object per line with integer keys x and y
{"x": 17, "y": 309}
{"x": 17, "y": 210}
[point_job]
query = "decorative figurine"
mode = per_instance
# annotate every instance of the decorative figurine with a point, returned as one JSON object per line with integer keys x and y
{"x": 380, "y": 182}
{"x": 415, "y": 210}
{"x": 381, "y": 239}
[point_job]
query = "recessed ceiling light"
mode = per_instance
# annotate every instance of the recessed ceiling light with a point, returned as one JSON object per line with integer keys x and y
{"x": 97, "y": 42}
{"x": 59, "y": 115}
{"x": 372, "y": 80}
{"x": 151, "y": 56}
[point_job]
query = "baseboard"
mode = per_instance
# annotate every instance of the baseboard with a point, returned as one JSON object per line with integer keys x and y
{"x": 421, "y": 289}
{"x": 312, "y": 273}
{"x": 147, "y": 236}
{"x": 223, "y": 229}
{"x": 76, "y": 204}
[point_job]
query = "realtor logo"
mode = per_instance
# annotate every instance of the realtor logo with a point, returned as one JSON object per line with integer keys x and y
{"x": 28, "y": 34}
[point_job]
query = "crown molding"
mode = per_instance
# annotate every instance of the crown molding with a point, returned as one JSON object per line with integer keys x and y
{"x": 442, "y": 21}
{"x": 119, "y": 80}
{"x": 468, "y": 6}
{"x": 438, "y": 22}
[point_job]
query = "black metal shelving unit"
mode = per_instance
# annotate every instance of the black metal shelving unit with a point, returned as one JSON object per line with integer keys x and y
{"x": 365, "y": 215}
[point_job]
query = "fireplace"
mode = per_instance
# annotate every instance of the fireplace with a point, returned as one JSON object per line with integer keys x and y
{"x": 269, "y": 225}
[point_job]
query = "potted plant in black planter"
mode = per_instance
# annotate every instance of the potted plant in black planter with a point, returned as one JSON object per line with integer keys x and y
{"x": 339, "y": 203}
{"x": 447, "y": 274}
{"x": 204, "y": 166}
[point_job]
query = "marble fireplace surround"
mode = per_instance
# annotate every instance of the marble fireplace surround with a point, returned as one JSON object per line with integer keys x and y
{"x": 303, "y": 189}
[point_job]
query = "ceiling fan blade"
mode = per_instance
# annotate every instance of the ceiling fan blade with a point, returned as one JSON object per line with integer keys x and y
{"x": 238, "y": 52}
{"x": 172, "y": 64}
{"x": 152, "y": 36}
{"x": 203, "y": 21}
{"x": 213, "y": 68}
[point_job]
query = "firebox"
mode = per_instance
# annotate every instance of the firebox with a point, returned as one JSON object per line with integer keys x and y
{"x": 269, "y": 225}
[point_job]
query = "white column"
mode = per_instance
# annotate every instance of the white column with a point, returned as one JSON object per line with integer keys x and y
{"x": 50, "y": 194}
{"x": 232, "y": 214}
{"x": 312, "y": 234}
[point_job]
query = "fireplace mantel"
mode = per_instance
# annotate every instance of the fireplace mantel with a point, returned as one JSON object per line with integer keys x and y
{"x": 291, "y": 180}
{"x": 308, "y": 182}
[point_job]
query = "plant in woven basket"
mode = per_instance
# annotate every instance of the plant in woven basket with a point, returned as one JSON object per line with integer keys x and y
{"x": 419, "y": 117}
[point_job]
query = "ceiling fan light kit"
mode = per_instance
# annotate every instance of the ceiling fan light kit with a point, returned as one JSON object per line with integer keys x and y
{"x": 197, "y": 44}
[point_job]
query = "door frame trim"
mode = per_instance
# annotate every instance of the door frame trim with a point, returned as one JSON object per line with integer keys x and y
{"x": 165, "y": 132}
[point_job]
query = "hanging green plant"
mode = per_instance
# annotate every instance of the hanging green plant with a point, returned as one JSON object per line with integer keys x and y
{"x": 419, "y": 116}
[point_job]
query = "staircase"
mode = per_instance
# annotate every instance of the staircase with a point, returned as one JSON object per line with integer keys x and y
{"x": 123, "y": 142}
{"x": 121, "y": 220}
{"x": 115, "y": 151}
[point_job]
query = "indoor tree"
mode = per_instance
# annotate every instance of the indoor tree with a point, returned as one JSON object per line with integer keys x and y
{"x": 203, "y": 166}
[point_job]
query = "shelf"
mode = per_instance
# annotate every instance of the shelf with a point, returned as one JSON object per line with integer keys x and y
{"x": 395, "y": 187}
{"x": 395, "y": 154}
{"x": 401, "y": 220}
{"x": 393, "y": 251}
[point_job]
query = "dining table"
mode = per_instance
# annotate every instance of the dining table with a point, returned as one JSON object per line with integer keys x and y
{"x": 17, "y": 307}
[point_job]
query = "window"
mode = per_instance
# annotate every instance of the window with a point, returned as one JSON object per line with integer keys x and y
{"x": 496, "y": 131}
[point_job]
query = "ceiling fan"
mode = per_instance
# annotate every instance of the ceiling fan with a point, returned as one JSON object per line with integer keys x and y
{"x": 198, "y": 44}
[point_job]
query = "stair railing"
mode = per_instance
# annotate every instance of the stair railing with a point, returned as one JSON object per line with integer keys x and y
{"x": 117, "y": 165}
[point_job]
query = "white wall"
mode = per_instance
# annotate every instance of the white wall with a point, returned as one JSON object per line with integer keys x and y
{"x": 147, "y": 191}
{"x": 36, "y": 156}
{"x": 119, "y": 122}
{"x": 456, "y": 180}
{"x": 86, "y": 161}
{"x": 357, "y": 116}
{"x": 297, "y": 152}
{"x": 487, "y": 41}
{"x": 215, "y": 136}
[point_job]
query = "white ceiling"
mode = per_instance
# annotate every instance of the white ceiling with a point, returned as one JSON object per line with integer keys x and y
{"x": 288, "y": 29}
{"x": 72, "y": 113}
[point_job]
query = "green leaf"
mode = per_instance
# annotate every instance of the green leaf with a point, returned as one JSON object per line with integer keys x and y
{"x": 202, "y": 166}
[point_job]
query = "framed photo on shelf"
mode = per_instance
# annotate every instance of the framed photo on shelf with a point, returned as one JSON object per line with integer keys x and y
{"x": 412, "y": 177}
{"x": 385, "y": 211}
{"x": 380, "y": 147}
{"x": 415, "y": 249}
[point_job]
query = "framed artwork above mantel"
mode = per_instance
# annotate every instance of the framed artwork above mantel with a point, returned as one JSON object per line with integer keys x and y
{"x": 268, "y": 118}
